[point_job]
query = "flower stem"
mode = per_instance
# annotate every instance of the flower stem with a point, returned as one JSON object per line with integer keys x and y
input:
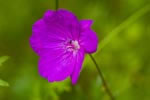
{"x": 102, "y": 78}
{"x": 57, "y": 4}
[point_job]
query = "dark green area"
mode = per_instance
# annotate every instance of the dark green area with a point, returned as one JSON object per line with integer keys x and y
{"x": 124, "y": 61}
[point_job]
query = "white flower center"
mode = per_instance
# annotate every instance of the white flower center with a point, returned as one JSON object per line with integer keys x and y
{"x": 73, "y": 46}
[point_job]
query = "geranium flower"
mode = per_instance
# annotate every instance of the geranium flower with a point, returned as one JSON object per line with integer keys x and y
{"x": 62, "y": 41}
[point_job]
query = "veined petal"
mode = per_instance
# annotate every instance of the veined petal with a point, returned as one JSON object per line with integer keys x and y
{"x": 78, "y": 65}
{"x": 44, "y": 37}
{"x": 63, "y": 19}
{"x": 56, "y": 65}
{"x": 88, "y": 39}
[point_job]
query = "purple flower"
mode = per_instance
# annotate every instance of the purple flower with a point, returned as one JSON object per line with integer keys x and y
{"x": 62, "y": 41}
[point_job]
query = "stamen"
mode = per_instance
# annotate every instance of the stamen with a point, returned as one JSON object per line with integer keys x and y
{"x": 76, "y": 45}
{"x": 73, "y": 46}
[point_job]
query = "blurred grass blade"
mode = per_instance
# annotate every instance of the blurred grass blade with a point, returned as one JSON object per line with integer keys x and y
{"x": 124, "y": 25}
{"x": 3, "y": 59}
{"x": 3, "y": 83}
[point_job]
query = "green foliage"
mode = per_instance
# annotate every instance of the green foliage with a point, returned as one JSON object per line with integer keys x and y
{"x": 3, "y": 59}
{"x": 3, "y": 83}
{"x": 124, "y": 25}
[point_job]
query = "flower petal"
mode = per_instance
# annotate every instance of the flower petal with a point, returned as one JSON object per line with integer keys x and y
{"x": 63, "y": 19}
{"x": 88, "y": 39}
{"x": 44, "y": 37}
{"x": 56, "y": 65}
{"x": 84, "y": 24}
{"x": 78, "y": 66}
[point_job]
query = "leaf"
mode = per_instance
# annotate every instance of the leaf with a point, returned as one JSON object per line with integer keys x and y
{"x": 3, "y": 59}
{"x": 3, "y": 83}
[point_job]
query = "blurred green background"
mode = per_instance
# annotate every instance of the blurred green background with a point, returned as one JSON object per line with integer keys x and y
{"x": 124, "y": 61}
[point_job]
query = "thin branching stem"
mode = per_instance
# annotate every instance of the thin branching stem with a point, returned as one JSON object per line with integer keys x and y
{"x": 102, "y": 78}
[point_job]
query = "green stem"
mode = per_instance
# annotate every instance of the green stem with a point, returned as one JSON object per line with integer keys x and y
{"x": 103, "y": 79}
{"x": 57, "y": 4}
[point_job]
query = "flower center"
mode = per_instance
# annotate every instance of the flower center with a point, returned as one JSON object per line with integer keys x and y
{"x": 73, "y": 45}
